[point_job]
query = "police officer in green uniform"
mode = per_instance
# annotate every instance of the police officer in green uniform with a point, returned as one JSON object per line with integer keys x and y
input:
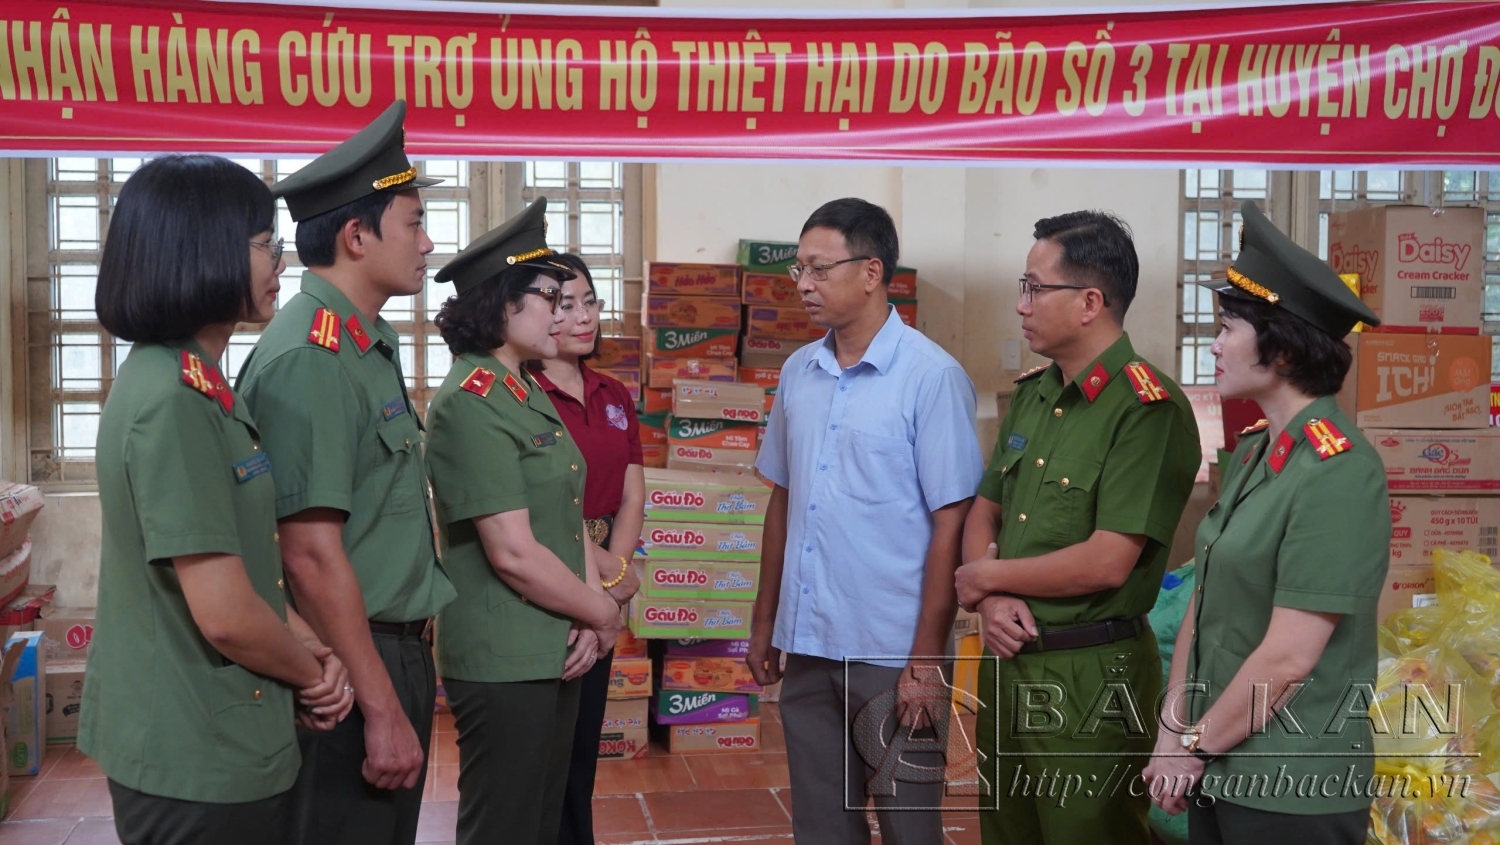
{"x": 188, "y": 702}
{"x": 531, "y": 617}
{"x": 1094, "y": 465}
{"x": 1291, "y": 561}
{"x": 325, "y": 382}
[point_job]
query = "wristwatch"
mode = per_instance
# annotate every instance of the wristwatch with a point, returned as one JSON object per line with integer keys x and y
{"x": 1190, "y": 739}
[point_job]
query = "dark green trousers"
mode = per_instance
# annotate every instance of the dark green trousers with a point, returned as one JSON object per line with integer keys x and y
{"x": 333, "y": 804}
{"x": 1223, "y": 823}
{"x": 142, "y": 819}
{"x": 515, "y": 741}
{"x": 1064, "y": 736}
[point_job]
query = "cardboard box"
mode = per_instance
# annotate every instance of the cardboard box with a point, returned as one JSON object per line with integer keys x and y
{"x": 767, "y": 351}
{"x": 693, "y": 279}
{"x": 614, "y": 351}
{"x": 13, "y": 654}
{"x": 623, "y": 715}
{"x": 766, "y": 256}
{"x": 26, "y": 739}
{"x": 712, "y": 400}
{"x": 628, "y": 645}
{"x": 625, "y": 744}
{"x": 24, "y": 609}
{"x": 712, "y": 434}
{"x": 1406, "y": 585}
{"x": 64, "y": 700}
{"x": 970, "y": 648}
{"x": 691, "y": 312}
{"x": 668, "y": 579}
{"x": 767, "y": 377}
{"x": 692, "y": 343}
{"x": 903, "y": 284}
{"x": 67, "y": 633}
{"x": 1431, "y": 461}
{"x": 664, "y": 371}
{"x": 682, "y": 707}
{"x": 19, "y": 504}
{"x": 653, "y": 429}
{"x": 655, "y": 401}
{"x": 654, "y": 457}
{"x": 702, "y": 459}
{"x": 790, "y": 323}
{"x": 769, "y": 289}
{"x": 1419, "y": 270}
{"x": 15, "y": 571}
{"x": 677, "y": 618}
{"x": 1420, "y": 524}
{"x": 630, "y": 378}
{"x": 966, "y": 623}
{"x": 704, "y": 497}
{"x": 630, "y": 678}
{"x": 906, "y": 309}
{"x": 707, "y": 674}
{"x": 1418, "y": 381}
{"x": 709, "y": 739}
{"x": 708, "y": 648}
{"x": 700, "y": 541}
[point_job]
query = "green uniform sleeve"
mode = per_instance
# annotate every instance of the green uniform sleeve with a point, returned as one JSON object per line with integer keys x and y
{"x": 475, "y": 463}
{"x": 180, "y": 477}
{"x": 1336, "y": 548}
{"x": 1148, "y": 472}
{"x": 307, "y": 413}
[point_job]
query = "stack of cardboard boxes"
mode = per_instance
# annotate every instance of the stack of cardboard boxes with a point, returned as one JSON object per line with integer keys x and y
{"x": 1420, "y": 385}
{"x": 626, "y": 712}
{"x": 708, "y": 701}
{"x": 690, "y": 315}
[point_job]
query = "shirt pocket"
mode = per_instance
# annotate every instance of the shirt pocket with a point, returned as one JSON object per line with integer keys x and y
{"x": 400, "y": 441}
{"x": 252, "y": 715}
{"x": 879, "y": 468}
{"x": 1068, "y": 499}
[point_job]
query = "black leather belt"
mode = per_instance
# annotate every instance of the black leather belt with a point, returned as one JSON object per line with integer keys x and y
{"x": 418, "y": 628}
{"x": 1084, "y": 636}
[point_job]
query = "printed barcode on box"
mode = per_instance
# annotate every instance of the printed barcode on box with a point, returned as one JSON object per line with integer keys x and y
{"x": 1489, "y": 530}
{"x": 1424, "y": 600}
{"x": 1434, "y": 293}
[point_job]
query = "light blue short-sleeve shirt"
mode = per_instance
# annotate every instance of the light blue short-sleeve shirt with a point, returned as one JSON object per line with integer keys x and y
{"x": 866, "y": 454}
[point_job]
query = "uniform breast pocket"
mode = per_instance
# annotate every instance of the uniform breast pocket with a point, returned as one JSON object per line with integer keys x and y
{"x": 880, "y": 468}
{"x": 401, "y": 441}
{"x": 1068, "y": 498}
{"x": 251, "y": 715}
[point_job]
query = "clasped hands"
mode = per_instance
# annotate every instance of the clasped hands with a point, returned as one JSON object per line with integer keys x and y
{"x": 1006, "y": 621}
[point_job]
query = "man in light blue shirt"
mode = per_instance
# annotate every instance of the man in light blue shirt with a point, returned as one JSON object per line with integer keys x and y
{"x": 875, "y": 461}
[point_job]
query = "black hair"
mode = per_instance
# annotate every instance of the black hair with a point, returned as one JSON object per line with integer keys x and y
{"x": 474, "y": 321}
{"x": 579, "y": 266}
{"x": 1314, "y": 361}
{"x": 177, "y": 254}
{"x": 1097, "y": 250}
{"x": 318, "y": 236}
{"x": 867, "y": 228}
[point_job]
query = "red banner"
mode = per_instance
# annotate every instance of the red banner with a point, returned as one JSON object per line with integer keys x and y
{"x": 1340, "y": 84}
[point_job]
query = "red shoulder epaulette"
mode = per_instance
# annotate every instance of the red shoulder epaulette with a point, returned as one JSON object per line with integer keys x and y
{"x": 325, "y": 330}
{"x": 1326, "y": 439}
{"x": 1147, "y": 386}
{"x": 516, "y": 387}
{"x": 357, "y": 331}
{"x": 479, "y": 382}
{"x": 1261, "y": 425}
{"x": 205, "y": 379}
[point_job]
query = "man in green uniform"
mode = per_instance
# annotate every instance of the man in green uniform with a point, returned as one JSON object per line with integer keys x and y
{"x": 1094, "y": 465}
{"x": 326, "y": 386}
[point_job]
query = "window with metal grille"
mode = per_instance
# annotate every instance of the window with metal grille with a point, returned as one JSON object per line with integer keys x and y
{"x": 71, "y": 361}
{"x": 1210, "y": 241}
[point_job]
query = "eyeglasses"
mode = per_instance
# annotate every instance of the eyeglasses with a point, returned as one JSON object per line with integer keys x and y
{"x": 594, "y": 306}
{"x": 1029, "y": 289}
{"x": 553, "y": 295}
{"x": 277, "y": 247}
{"x": 819, "y": 272}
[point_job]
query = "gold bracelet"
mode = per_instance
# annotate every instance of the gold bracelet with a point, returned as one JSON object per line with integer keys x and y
{"x": 624, "y": 566}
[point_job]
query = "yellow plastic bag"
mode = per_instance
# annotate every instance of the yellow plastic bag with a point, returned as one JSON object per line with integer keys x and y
{"x": 1472, "y": 819}
{"x": 1430, "y": 710}
{"x": 1466, "y": 582}
{"x": 1417, "y": 627}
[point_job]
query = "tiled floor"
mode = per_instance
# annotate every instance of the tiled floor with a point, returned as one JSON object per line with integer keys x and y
{"x": 663, "y": 800}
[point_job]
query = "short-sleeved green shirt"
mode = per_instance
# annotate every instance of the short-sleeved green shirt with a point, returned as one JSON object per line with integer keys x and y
{"x": 497, "y": 444}
{"x": 1094, "y": 454}
{"x": 331, "y": 401}
{"x": 1304, "y": 523}
{"x": 181, "y": 473}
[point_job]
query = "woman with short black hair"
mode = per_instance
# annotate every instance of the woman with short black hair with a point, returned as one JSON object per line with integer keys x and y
{"x": 1291, "y": 561}
{"x": 188, "y": 705}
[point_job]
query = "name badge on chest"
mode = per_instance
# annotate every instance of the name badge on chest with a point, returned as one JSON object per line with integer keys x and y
{"x": 546, "y": 438}
{"x": 394, "y": 408}
{"x": 251, "y": 467}
{"x": 1016, "y": 441}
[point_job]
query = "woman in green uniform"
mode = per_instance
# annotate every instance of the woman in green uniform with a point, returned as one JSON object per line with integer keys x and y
{"x": 189, "y": 698}
{"x": 1291, "y": 561}
{"x": 531, "y": 617}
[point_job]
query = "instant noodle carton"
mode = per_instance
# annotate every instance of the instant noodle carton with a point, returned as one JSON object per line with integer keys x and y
{"x": 630, "y": 678}
{"x": 766, "y": 256}
{"x": 906, "y": 309}
{"x": 681, "y": 496}
{"x": 655, "y": 401}
{"x": 1427, "y": 461}
{"x": 626, "y": 730}
{"x": 653, "y": 429}
{"x": 788, "y": 323}
{"x": 708, "y": 674}
{"x": 717, "y": 442}
{"x": 615, "y": 352}
{"x": 1420, "y": 524}
{"x": 631, "y": 378}
{"x": 693, "y": 279}
{"x": 767, "y": 377}
{"x": 675, "y": 618}
{"x": 664, "y": 311}
{"x": 709, "y": 648}
{"x": 707, "y": 739}
{"x": 683, "y": 707}
{"x": 767, "y": 351}
{"x": 669, "y": 579}
{"x": 903, "y": 285}
{"x": 628, "y": 645}
{"x": 769, "y": 289}
{"x": 1418, "y": 381}
{"x": 654, "y": 456}
{"x": 1420, "y": 269}
{"x": 663, "y": 371}
{"x": 712, "y": 400}
{"x": 692, "y": 343}
{"x": 699, "y": 541}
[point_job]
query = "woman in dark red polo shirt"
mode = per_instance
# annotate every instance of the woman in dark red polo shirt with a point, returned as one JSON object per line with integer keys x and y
{"x": 600, "y": 415}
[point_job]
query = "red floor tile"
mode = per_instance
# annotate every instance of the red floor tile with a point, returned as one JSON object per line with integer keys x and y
{"x": 49, "y": 832}
{"x": 444, "y": 748}
{"x": 620, "y": 814}
{"x": 772, "y": 736}
{"x": 961, "y": 833}
{"x": 71, "y": 764}
{"x": 739, "y": 771}
{"x": 444, "y": 783}
{"x": 61, "y": 799}
{"x": 714, "y": 809}
{"x": 661, "y": 773}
